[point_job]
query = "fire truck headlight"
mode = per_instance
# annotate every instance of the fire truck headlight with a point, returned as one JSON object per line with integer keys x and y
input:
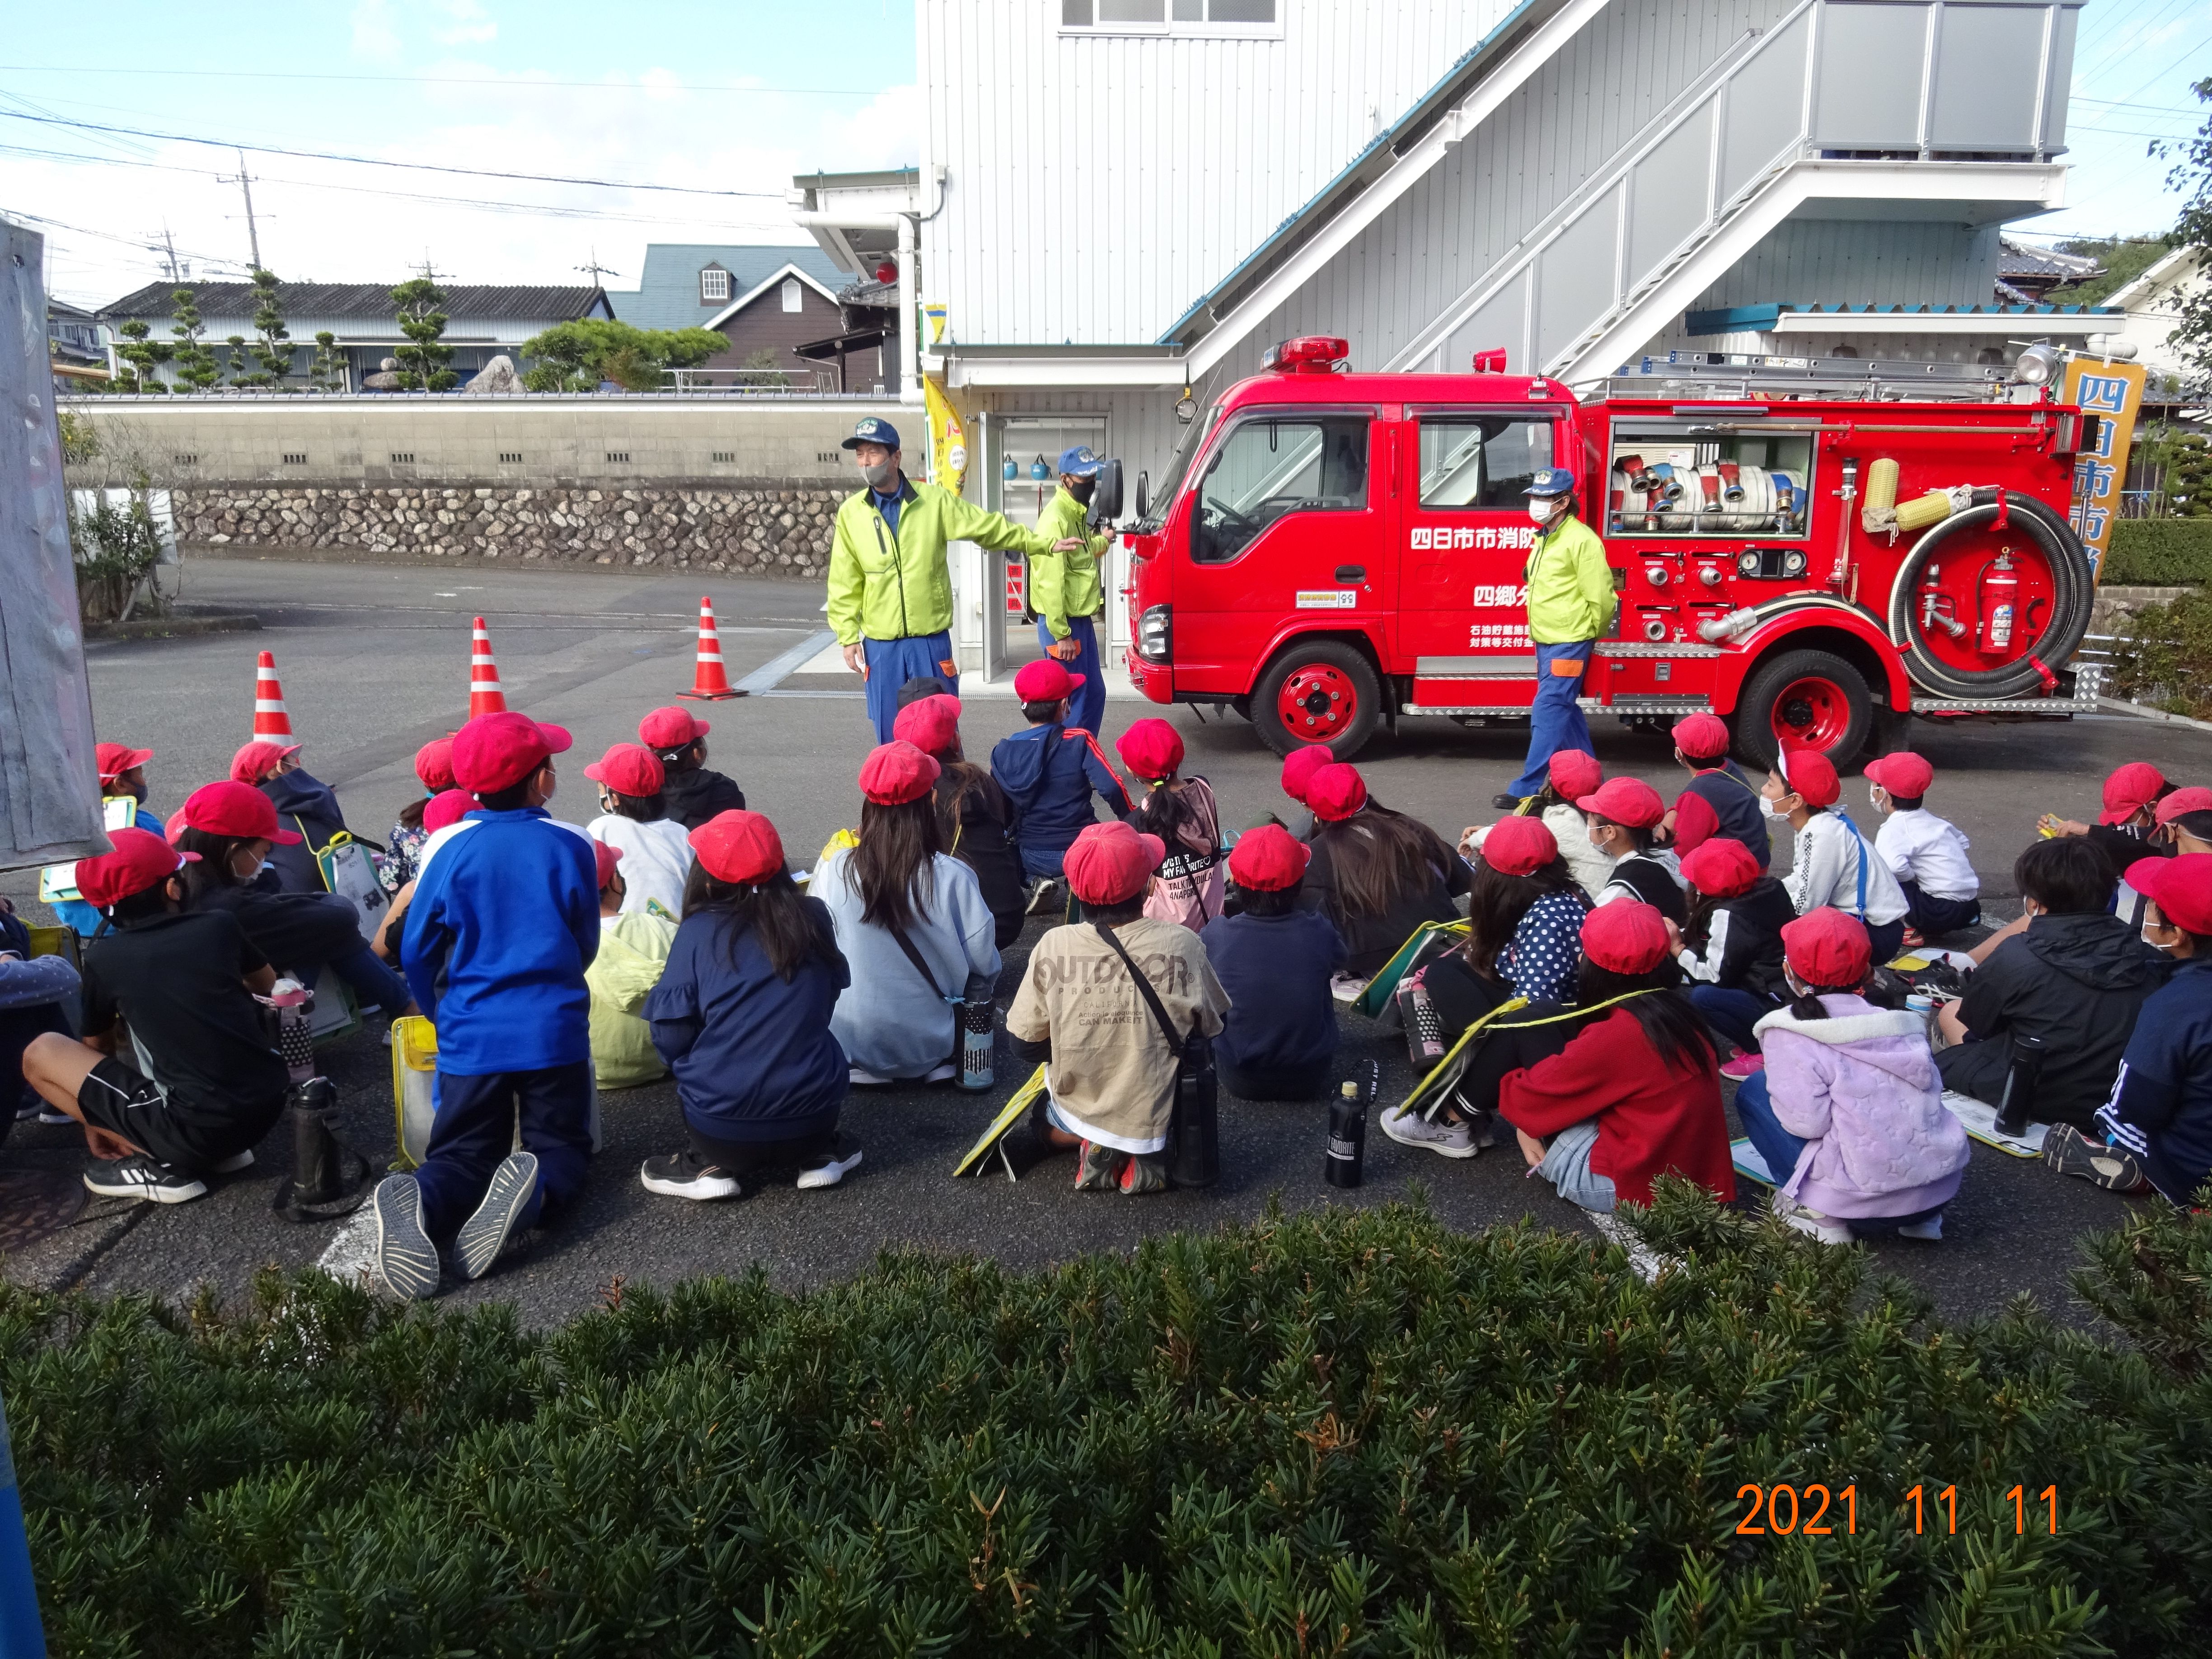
{"x": 2037, "y": 365}
{"x": 1155, "y": 634}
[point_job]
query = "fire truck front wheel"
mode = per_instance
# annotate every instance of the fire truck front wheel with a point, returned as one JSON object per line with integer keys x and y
{"x": 1322, "y": 691}
{"x": 1807, "y": 699}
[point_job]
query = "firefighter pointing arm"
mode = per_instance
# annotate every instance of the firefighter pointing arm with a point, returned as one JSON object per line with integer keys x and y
{"x": 1064, "y": 585}
{"x": 891, "y": 580}
{"x": 1570, "y": 603}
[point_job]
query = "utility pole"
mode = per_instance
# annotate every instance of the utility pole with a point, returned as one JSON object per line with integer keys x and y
{"x": 597, "y": 270}
{"x": 245, "y": 182}
{"x": 168, "y": 244}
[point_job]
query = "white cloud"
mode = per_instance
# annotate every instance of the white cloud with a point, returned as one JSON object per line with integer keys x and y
{"x": 467, "y": 23}
{"x": 374, "y": 35}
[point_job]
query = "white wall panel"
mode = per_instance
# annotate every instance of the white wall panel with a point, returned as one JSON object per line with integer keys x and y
{"x": 1759, "y": 113}
{"x": 1858, "y": 261}
{"x": 1666, "y": 198}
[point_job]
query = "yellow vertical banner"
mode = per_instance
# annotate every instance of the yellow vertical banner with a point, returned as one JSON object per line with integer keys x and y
{"x": 948, "y": 439}
{"x": 2113, "y": 394}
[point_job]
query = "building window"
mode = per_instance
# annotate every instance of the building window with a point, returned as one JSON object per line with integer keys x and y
{"x": 510, "y": 457}
{"x": 791, "y": 296}
{"x": 713, "y": 286}
{"x": 296, "y": 459}
{"x": 403, "y": 458}
{"x": 1166, "y": 16}
{"x": 619, "y": 456}
{"x": 726, "y": 457}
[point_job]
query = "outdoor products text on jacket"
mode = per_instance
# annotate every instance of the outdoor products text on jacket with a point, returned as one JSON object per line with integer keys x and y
{"x": 1570, "y": 585}
{"x": 752, "y": 1053}
{"x": 1861, "y": 1089}
{"x": 1065, "y": 585}
{"x": 888, "y": 584}
{"x": 1050, "y": 774}
{"x": 2161, "y": 1106}
{"x": 509, "y": 912}
{"x": 2076, "y": 981}
{"x": 307, "y": 805}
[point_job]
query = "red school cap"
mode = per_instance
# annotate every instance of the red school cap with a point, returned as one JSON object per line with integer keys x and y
{"x": 1268, "y": 859}
{"x": 931, "y": 724}
{"x": 1720, "y": 867}
{"x": 2180, "y": 886}
{"x": 235, "y": 809}
{"x": 1150, "y": 749}
{"x": 2128, "y": 790}
{"x": 259, "y": 759}
{"x": 1904, "y": 773}
{"x": 1701, "y": 735}
{"x": 1110, "y": 863}
{"x": 494, "y": 752}
{"x": 606, "y": 858}
{"x": 897, "y": 772}
{"x": 1629, "y": 801}
{"x": 1299, "y": 766}
{"x": 1045, "y": 681}
{"x": 671, "y": 728}
{"x": 629, "y": 769}
{"x": 1810, "y": 775}
{"x": 2179, "y": 803}
{"x": 1574, "y": 773}
{"x": 433, "y": 765}
{"x": 140, "y": 859}
{"x": 738, "y": 846}
{"x": 1624, "y": 936}
{"x": 1335, "y": 792}
{"x": 1519, "y": 845}
{"x": 114, "y": 759}
{"x": 1828, "y": 949}
{"x": 447, "y": 806}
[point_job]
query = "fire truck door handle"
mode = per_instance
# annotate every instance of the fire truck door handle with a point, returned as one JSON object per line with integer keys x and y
{"x": 1351, "y": 573}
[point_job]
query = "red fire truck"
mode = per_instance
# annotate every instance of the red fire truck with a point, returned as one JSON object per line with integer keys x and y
{"x": 1805, "y": 548}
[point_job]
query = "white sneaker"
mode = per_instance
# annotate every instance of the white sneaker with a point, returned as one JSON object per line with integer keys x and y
{"x": 1412, "y": 1129}
{"x": 830, "y": 1168}
{"x": 863, "y": 1078}
{"x": 1811, "y": 1223}
{"x": 1930, "y": 1229}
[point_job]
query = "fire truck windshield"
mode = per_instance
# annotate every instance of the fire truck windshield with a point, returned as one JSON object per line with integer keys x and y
{"x": 1161, "y": 497}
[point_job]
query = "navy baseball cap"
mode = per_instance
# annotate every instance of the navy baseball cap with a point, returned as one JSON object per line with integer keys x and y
{"x": 1079, "y": 461}
{"x": 1552, "y": 480}
{"x": 873, "y": 430}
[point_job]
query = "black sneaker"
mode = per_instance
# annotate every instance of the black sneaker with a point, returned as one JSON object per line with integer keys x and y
{"x": 685, "y": 1174}
{"x": 2070, "y": 1151}
{"x": 140, "y": 1176}
{"x": 830, "y": 1168}
{"x": 405, "y": 1257}
{"x": 1506, "y": 801}
{"x": 483, "y": 1233}
{"x": 233, "y": 1163}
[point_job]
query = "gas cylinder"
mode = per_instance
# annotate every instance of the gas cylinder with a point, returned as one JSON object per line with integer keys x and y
{"x": 2001, "y": 589}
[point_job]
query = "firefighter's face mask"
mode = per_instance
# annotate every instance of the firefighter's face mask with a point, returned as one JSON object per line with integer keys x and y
{"x": 1543, "y": 508}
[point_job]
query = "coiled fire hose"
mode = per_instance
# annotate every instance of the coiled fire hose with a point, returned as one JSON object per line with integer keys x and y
{"x": 2073, "y": 586}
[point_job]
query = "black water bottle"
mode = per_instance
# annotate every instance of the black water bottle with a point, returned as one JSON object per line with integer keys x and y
{"x": 1347, "y": 1160}
{"x": 2020, "y": 1079}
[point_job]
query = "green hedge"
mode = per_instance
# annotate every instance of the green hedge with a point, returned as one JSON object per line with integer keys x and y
{"x": 1350, "y": 1433}
{"x": 2160, "y": 552}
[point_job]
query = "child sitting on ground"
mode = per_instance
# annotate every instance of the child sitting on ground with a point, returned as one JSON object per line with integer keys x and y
{"x": 1833, "y": 863}
{"x": 2183, "y": 821}
{"x": 1719, "y": 800}
{"x": 1926, "y": 855}
{"x": 1378, "y": 875}
{"x": 692, "y": 793}
{"x": 1570, "y": 774}
{"x": 403, "y": 848}
{"x": 1299, "y": 768}
{"x": 208, "y": 1082}
{"x": 123, "y": 806}
{"x": 1731, "y": 948}
{"x": 634, "y": 948}
{"x": 1049, "y": 773}
{"x": 2156, "y": 1129}
{"x": 974, "y": 819}
{"x": 1634, "y": 1095}
{"x": 303, "y": 803}
{"x": 1848, "y": 1114}
{"x": 1274, "y": 961}
{"x": 742, "y": 1017}
{"x": 504, "y": 920}
{"x": 634, "y": 816}
{"x": 1624, "y": 818}
{"x": 32, "y": 992}
{"x": 1109, "y": 1069}
{"x": 1182, "y": 813}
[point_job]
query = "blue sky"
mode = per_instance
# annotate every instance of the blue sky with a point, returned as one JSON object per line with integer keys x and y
{"x": 735, "y": 96}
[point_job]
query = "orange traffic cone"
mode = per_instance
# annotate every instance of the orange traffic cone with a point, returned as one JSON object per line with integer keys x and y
{"x": 710, "y": 682}
{"x": 273, "y": 722}
{"x": 485, "y": 697}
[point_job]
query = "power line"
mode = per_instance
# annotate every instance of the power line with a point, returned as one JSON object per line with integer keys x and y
{"x": 373, "y": 161}
{"x": 104, "y": 72}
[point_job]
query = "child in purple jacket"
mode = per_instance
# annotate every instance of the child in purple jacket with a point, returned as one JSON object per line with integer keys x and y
{"x": 1849, "y": 1113}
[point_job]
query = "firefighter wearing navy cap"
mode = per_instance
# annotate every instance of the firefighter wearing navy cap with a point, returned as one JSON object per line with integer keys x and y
{"x": 1570, "y": 603}
{"x": 1064, "y": 588}
{"x": 890, "y": 585}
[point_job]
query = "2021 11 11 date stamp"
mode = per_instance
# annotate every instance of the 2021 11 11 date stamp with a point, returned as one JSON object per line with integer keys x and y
{"x": 1813, "y": 1511}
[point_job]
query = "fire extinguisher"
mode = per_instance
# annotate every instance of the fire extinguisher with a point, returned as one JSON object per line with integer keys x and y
{"x": 2001, "y": 596}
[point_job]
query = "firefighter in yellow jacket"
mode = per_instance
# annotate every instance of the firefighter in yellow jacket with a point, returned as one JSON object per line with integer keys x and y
{"x": 891, "y": 583}
{"x": 1064, "y": 588}
{"x": 1570, "y": 603}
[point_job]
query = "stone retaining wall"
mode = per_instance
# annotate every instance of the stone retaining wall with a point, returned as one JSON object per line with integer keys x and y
{"x": 765, "y": 531}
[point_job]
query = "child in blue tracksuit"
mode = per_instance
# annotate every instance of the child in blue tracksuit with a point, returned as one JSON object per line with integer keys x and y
{"x": 1050, "y": 771}
{"x": 503, "y": 923}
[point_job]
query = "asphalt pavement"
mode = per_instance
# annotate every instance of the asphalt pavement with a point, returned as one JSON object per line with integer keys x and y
{"x": 373, "y": 661}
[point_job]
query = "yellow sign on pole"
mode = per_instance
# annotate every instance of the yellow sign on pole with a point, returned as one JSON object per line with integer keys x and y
{"x": 948, "y": 439}
{"x": 2113, "y": 394}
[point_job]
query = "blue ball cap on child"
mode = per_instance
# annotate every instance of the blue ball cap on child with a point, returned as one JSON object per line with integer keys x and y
{"x": 1552, "y": 480}
{"x": 873, "y": 430}
{"x": 1078, "y": 462}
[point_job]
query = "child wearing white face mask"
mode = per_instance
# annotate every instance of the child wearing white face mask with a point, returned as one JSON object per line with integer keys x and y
{"x": 1833, "y": 863}
{"x": 1926, "y": 855}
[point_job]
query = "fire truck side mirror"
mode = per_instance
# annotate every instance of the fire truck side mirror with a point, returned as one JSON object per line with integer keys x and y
{"x": 1106, "y": 500}
{"x": 1143, "y": 493}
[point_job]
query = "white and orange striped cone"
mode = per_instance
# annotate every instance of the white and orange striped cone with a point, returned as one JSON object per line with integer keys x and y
{"x": 273, "y": 722}
{"x": 710, "y": 681}
{"x": 485, "y": 695}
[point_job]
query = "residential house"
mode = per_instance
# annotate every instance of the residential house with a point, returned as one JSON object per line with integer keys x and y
{"x": 76, "y": 346}
{"x": 769, "y": 300}
{"x": 2151, "y": 307}
{"x": 482, "y": 322}
{"x": 2027, "y": 271}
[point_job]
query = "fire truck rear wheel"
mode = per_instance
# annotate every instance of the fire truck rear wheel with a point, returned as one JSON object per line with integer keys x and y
{"x": 1814, "y": 698}
{"x": 1324, "y": 691}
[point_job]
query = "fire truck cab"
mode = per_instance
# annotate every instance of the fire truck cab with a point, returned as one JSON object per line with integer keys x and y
{"x": 1800, "y": 547}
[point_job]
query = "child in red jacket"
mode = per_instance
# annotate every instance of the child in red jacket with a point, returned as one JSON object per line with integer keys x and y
{"x": 1636, "y": 1093}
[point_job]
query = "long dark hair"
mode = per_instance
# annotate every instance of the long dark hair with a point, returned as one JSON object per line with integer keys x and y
{"x": 891, "y": 867}
{"x": 213, "y": 870}
{"x": 957, "y": 777}
{"x": 1378, "y": 857}
{"x": 1669, "y": 1023}
{"x": 410, "y": 816}
{"x": 1164, "y": 810}
{"x": 1808, "y": 1005}
{"x": 1640, "y": 836}
{"x": 1497, "y": 901}
{"x": 775, "y": 912}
